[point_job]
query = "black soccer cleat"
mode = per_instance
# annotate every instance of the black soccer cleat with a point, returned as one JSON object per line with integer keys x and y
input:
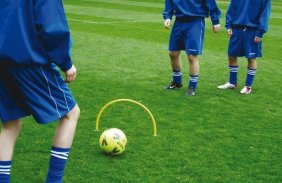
{"x": 173, "y": 86}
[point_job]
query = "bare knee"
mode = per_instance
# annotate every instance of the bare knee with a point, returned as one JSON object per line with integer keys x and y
{"x": 13, "y": 126}
{"x": 174, "y": 55}
{"x": 252, "y": 63}
{"x": 73, "y": 115}
{"x": 69, "y": 121}
{"x": 10, "y": 130}
{"x": 232, "y": 61}
{"x": 192, "y": 58}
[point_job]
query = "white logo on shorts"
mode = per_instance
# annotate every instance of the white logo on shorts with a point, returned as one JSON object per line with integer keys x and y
{"x": 192, "y": 49}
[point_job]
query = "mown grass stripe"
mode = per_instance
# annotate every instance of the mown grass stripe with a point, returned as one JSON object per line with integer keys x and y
{"x": 113, "y": 13}
{"x": 140, "y": 7}
{"x": 141, "y": 3}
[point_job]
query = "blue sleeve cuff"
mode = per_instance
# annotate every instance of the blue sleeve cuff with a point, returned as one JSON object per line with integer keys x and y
{"x": 228, "y": 26}
{"x": 66, "y": 66}
{"x": 259, "y": 33}
{"x": 215, "y": 22}
{"x": 167, "y": 17}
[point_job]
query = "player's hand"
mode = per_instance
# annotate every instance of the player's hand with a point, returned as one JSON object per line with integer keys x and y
{"x": 216, "y": 28}
{"x": 257, "y": 39}
{"x": 167, "y": 23}
{"x": 70, "y": 74}
{"x": 229, "y": 32}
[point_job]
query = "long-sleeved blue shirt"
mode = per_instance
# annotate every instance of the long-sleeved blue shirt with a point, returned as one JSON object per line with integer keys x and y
{"x": 34, "y": 32}
{"x": 251, "y": 13}
{"x": 192, "y": 8}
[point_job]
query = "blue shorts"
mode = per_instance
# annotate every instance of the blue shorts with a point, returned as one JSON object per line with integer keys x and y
{"x": 188, "y": 35}
{"x": 242, "y": 43}
{"x": 34, "y": 90}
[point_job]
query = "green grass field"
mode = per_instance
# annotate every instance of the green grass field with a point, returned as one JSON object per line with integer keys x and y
{"x": 120, "y": 50}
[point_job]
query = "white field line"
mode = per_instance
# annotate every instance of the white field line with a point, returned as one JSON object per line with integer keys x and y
{"x": 117, "y": 22}
{"x": 130, "y": 21}
{"x": 112, "y": 22}
{"x": 275, "y": 17}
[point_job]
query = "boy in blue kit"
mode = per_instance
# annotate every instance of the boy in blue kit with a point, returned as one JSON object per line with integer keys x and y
{"x": 34, "y": 39}
{"x": 246, "y": 22}
{"x": 188, "y": 34}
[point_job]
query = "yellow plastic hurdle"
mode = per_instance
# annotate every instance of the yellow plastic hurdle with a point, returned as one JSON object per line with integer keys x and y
{"x": 126, "y": 100}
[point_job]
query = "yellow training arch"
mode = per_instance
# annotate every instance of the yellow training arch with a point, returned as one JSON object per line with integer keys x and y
{"x": 126, "y": 100}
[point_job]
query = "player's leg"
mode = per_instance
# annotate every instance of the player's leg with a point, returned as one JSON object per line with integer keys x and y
{"x": 252, "y": 50}
{"x": 233, "y": 72}
{"x": 8, "y": 136}
{"x": 49, "y": 99}
{"x": 176, "y": 65}
{"x": 65, "y": 130}
{"x": 251, "y": 72}
{"x": 194, "y": 41}
{"x": 194, "y": 70}
{"x": 235, "y": 49}
{"x": 61, "y": 145}
{"x": 175, "y": 47}
{"x": 66, "y": 111}
{"x": 12, "y": 109}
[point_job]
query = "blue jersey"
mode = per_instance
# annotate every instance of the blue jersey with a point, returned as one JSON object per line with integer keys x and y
{"x": 192, "y": 8}
{"x": 34, "y": 32}
{"x": 250, "y": 13}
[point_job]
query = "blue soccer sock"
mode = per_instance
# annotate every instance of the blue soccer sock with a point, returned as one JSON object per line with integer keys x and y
{"x": 193, "y": 81}
{"x": 57, "y": 165}
{"x": 177, "y": 76}
{"x": 250, "y": 76}
{"x": 5, "y": 171}
{"x": 233, "y": 71}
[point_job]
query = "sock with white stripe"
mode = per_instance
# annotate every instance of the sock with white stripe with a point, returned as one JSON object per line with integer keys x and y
{"x": 5, "y": 171}
{"x": 57, "y": 165}
{"x": 250, "y": 76}
{"x": 177, "y": 76}
{"x": 233, "y": 71}
{"x": 193, "y": 81}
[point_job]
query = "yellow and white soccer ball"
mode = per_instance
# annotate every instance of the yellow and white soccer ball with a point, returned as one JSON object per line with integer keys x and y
{"x": 113, "y": 141}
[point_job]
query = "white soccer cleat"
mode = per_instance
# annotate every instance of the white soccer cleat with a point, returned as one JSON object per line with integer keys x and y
{"x": 246, "y": 90}
{"x": 226, "y": 86}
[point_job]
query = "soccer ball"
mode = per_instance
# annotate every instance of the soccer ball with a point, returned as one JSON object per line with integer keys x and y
{"x": 113, "y": 141}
